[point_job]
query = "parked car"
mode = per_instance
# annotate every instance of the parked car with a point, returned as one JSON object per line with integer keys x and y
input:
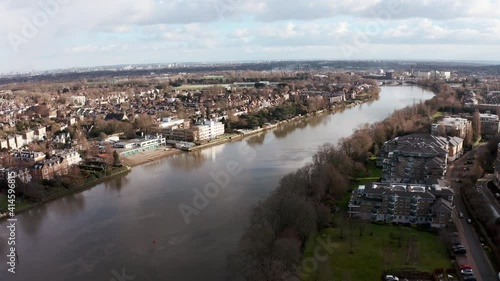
{"x": 391, "y": 278}
{"x": 465, "y": 266}
{"x": 467, "y": 271}
{"x": 469, "y": 221}
{"x": 459, "y": 250}
{"x": 470, "y": 278}
{"x": 460, "y": 215}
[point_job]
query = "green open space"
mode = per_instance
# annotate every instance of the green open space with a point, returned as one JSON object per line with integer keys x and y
{"x": 379, "y": 248}
{"x": 20, "y": 204}
{"x": 197, "y": 87}
{"x": 437, "y": 115}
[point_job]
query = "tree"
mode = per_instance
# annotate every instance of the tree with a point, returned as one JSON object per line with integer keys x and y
{"x": 116, "y": 158}
{"x": 476, "y": 125}
{"x": 143, "y": 123}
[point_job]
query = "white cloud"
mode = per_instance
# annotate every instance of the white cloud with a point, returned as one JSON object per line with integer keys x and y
{"x": 211, "y": 27}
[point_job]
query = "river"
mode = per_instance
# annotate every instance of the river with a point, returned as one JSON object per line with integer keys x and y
{"x": 133, "y": 223}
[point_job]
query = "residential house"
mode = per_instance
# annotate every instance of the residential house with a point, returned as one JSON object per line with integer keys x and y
{"x": 11, "y": 142}
{"x": 28, "y": 136}
{"x": 4, "y": 144}
{"x": 40, "y": 133}
{"x": 49, "y": 168}
{"x": 19, "y": 140}
{"x": 116, "y": 116}
{"x": 441, "y": 213}
{"x": 455, "y": 148}
{"x": 71, "y": 156}
{"x": 28, "y": 156}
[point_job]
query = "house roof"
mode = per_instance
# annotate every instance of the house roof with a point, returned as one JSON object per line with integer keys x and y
{"x": 115, "y": 116}
{"x": 441, "y": 205}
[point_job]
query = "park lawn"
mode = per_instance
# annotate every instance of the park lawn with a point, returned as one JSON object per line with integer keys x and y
{"x": 197, "y": 87}
{"x": 437, "y": 115}
{"x": 372, "y": 168}
{"x": 374, "y": 254}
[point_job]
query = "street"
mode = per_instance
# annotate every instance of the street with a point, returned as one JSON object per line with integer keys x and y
{"x": 476, "y": 256}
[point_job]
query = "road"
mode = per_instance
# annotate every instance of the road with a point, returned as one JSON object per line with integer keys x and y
{"x": 482, "y": 186}
{"x": 476, "y": 256}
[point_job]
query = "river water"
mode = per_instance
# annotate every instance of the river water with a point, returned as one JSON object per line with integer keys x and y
{"x": 133, "y": 224}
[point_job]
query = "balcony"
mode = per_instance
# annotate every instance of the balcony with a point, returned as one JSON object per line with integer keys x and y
{"x": 390, "y": 211}
{"x": 391, "y": 205}
{"x": 413, "y": 213}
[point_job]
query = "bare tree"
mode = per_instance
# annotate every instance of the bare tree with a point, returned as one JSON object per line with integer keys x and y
{"x": 476, "y": 125}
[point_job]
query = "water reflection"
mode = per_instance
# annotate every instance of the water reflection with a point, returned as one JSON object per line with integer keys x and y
{"x": 70, "y": 204}
{"x": 34, "y": 219}
{"x": 287, "y": 128}
{"x": 118, "y": 182}
{"x": 256, "y": 139}
{"x": 316, "y": 120}
{"x": 188, "y": 161}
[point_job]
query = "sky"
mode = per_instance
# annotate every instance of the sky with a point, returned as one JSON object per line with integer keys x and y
{"x": 53, "y": 34}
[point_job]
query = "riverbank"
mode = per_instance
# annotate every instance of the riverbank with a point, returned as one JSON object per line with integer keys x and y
{"x": 26, "y": 205}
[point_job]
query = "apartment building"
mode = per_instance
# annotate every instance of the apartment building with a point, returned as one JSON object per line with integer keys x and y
{"x": 452, "y": 126}
{"x": 209, "y": 130}
{"x": 403, "y": 203}
{"x": 78, "y": 100}
{"x": 489, "y": 124}
{"x": 416, "y": 158}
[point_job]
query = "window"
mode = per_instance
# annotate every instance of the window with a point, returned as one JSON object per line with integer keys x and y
{"x": 46, "y": 172}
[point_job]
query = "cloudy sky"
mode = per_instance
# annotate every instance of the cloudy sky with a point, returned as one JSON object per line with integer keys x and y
{"x": 49, "y": 34}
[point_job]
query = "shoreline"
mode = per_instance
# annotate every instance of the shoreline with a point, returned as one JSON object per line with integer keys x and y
{"x": 165, "y": 152}
{"x": 75, "y": 190}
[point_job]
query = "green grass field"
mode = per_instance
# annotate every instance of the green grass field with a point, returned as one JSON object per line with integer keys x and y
{"x": 437, "y": 115}
{"x": 372, "y": 254}
{"x": 19, "y": 205}
{"x": 197, "y": 87}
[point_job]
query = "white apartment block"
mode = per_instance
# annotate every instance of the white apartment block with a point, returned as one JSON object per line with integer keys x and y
{"x": 78, "y": 100}
{"x": 452, "y": 126}
{"x": 210, "y": 130}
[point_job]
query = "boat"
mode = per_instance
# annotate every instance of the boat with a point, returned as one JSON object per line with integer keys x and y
{"x": 186, "y": 146}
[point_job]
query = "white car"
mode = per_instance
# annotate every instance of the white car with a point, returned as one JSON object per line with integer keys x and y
{"x": 391, "y": 278}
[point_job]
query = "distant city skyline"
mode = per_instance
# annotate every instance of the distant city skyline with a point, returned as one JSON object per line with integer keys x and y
{"x": 62, "y": 34}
